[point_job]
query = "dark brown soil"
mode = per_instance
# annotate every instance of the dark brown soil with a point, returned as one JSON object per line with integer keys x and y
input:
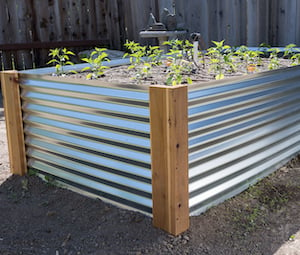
{"x": 39, "y": 218}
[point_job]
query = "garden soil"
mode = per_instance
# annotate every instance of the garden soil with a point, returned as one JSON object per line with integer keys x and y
{"x": 37, "y": 217}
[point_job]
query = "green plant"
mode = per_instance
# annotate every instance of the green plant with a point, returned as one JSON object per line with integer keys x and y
{"x": 50, "y": 180}
{"x": 292, "y": 53}
{"x": 220, "y": 57}
{"x": 295, "y": 59}
{"x": 178, "y": 72}
{"x": 252, "y": 58}
{"x": 142, "y": 59}
{"x": 24, "y": 184}
{"x": 60, "y": 58}
{"x": 289, "y": 49}
{"x": 274, "y": 59}
{"x": 154, "y": 55}
{"x": 32, "y": 172}
{"x": 180, "y": 49}
{"x": 292, "y": 238}
{"x": 179, "y": 62}
{"x": 95, "y": 60}
{"x": 136, "y": 52}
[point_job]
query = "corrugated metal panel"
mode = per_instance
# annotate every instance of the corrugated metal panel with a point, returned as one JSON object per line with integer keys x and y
{"x": 95, "y": 137}
{"x": 240, "y": 130}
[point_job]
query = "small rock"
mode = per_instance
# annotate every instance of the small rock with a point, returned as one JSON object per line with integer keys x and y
{"x": 186, "y": 238}
{"x": 165, "y": 243}
{"x": 50, "y": 213}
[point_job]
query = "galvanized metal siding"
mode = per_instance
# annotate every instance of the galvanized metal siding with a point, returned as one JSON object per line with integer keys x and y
{"x": 240, "y": 131}
{"x": 94, "y": 137}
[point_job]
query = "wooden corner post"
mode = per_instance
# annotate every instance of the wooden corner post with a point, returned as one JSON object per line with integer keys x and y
{"x": 169, "y": 153}
{"x": 14, "y": 122}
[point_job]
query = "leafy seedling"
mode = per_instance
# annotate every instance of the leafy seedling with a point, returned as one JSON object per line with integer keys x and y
{"x": 251, "y": 58}
{"x": 274, "y": 59}
{"x": 142, "y": 59}
{"x": 60, "y": 58}
{"x": 292, "y": 53}
{"x": 179, "y": 62}
{"x": 221, "y": 56}
{"x": 96, "y": 59}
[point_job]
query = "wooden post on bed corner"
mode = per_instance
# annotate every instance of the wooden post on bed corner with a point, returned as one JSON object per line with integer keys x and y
{"x": 169, "y": 153}
{"x": 14, "y": 122}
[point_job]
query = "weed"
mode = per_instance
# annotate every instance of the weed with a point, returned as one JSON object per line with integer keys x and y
{"x": 292, "y": 238}
{"x": 60, "y": 58}
{"x": 50, "y": 180}
{"x": 24, "y": 184}
{"x": 32, "y": 172}
{"x": 274, "y": 197}
{"x": 249, "y": 218}
{"x": 96, "y": 59}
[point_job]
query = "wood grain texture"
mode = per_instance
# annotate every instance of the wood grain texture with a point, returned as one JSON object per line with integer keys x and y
{"x": 14, "y": 122}
{"x": 169, "y": 151}
{"x": 275, "y": 22}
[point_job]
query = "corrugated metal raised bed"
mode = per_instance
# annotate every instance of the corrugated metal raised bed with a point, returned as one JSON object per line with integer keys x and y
{"x": 240, "y": 130}
{"x": 96, "y": 137}
{"x": 166, "y": 151}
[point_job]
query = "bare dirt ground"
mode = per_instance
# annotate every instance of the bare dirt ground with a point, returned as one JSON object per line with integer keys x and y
{"x": 39, "y": 218}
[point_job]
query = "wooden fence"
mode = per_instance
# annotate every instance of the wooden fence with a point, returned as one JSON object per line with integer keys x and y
{"x": 54, "y": 20}
{"x": 111, "y": 22}
{"x": 250, "y": 22}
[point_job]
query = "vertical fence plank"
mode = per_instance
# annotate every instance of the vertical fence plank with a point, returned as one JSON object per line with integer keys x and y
{"x": 252, "y": 21}
{"x": 273, "y": 19}
{"x": 137, "y": 15}
{"x": 14, "y": 122}
{"x": 57, "y": 22}
{"x": 212, "y": 21}
{"x": 169, "y": 152}
{"x": 113, "y": 24}
{"x": 289, "y": 25}
{"x": 281, "y": 22}
{"x": 100, "y": 19}
{"x": 237, "y": 21}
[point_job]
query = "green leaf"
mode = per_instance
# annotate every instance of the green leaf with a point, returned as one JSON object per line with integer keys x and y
{"x": 85, "y": 60}
{"x": 220, "y": 76}
{"x": 189, "y": 80}
{"x": 89, "y": 76}
{"x": 70, "y": 53}
{"x": 169, "y": 80}
{"x": 52, "y": 61}
{"x": 85, "y": 68}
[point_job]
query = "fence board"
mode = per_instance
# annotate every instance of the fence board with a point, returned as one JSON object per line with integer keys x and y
{"x": 275, "y": 22}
